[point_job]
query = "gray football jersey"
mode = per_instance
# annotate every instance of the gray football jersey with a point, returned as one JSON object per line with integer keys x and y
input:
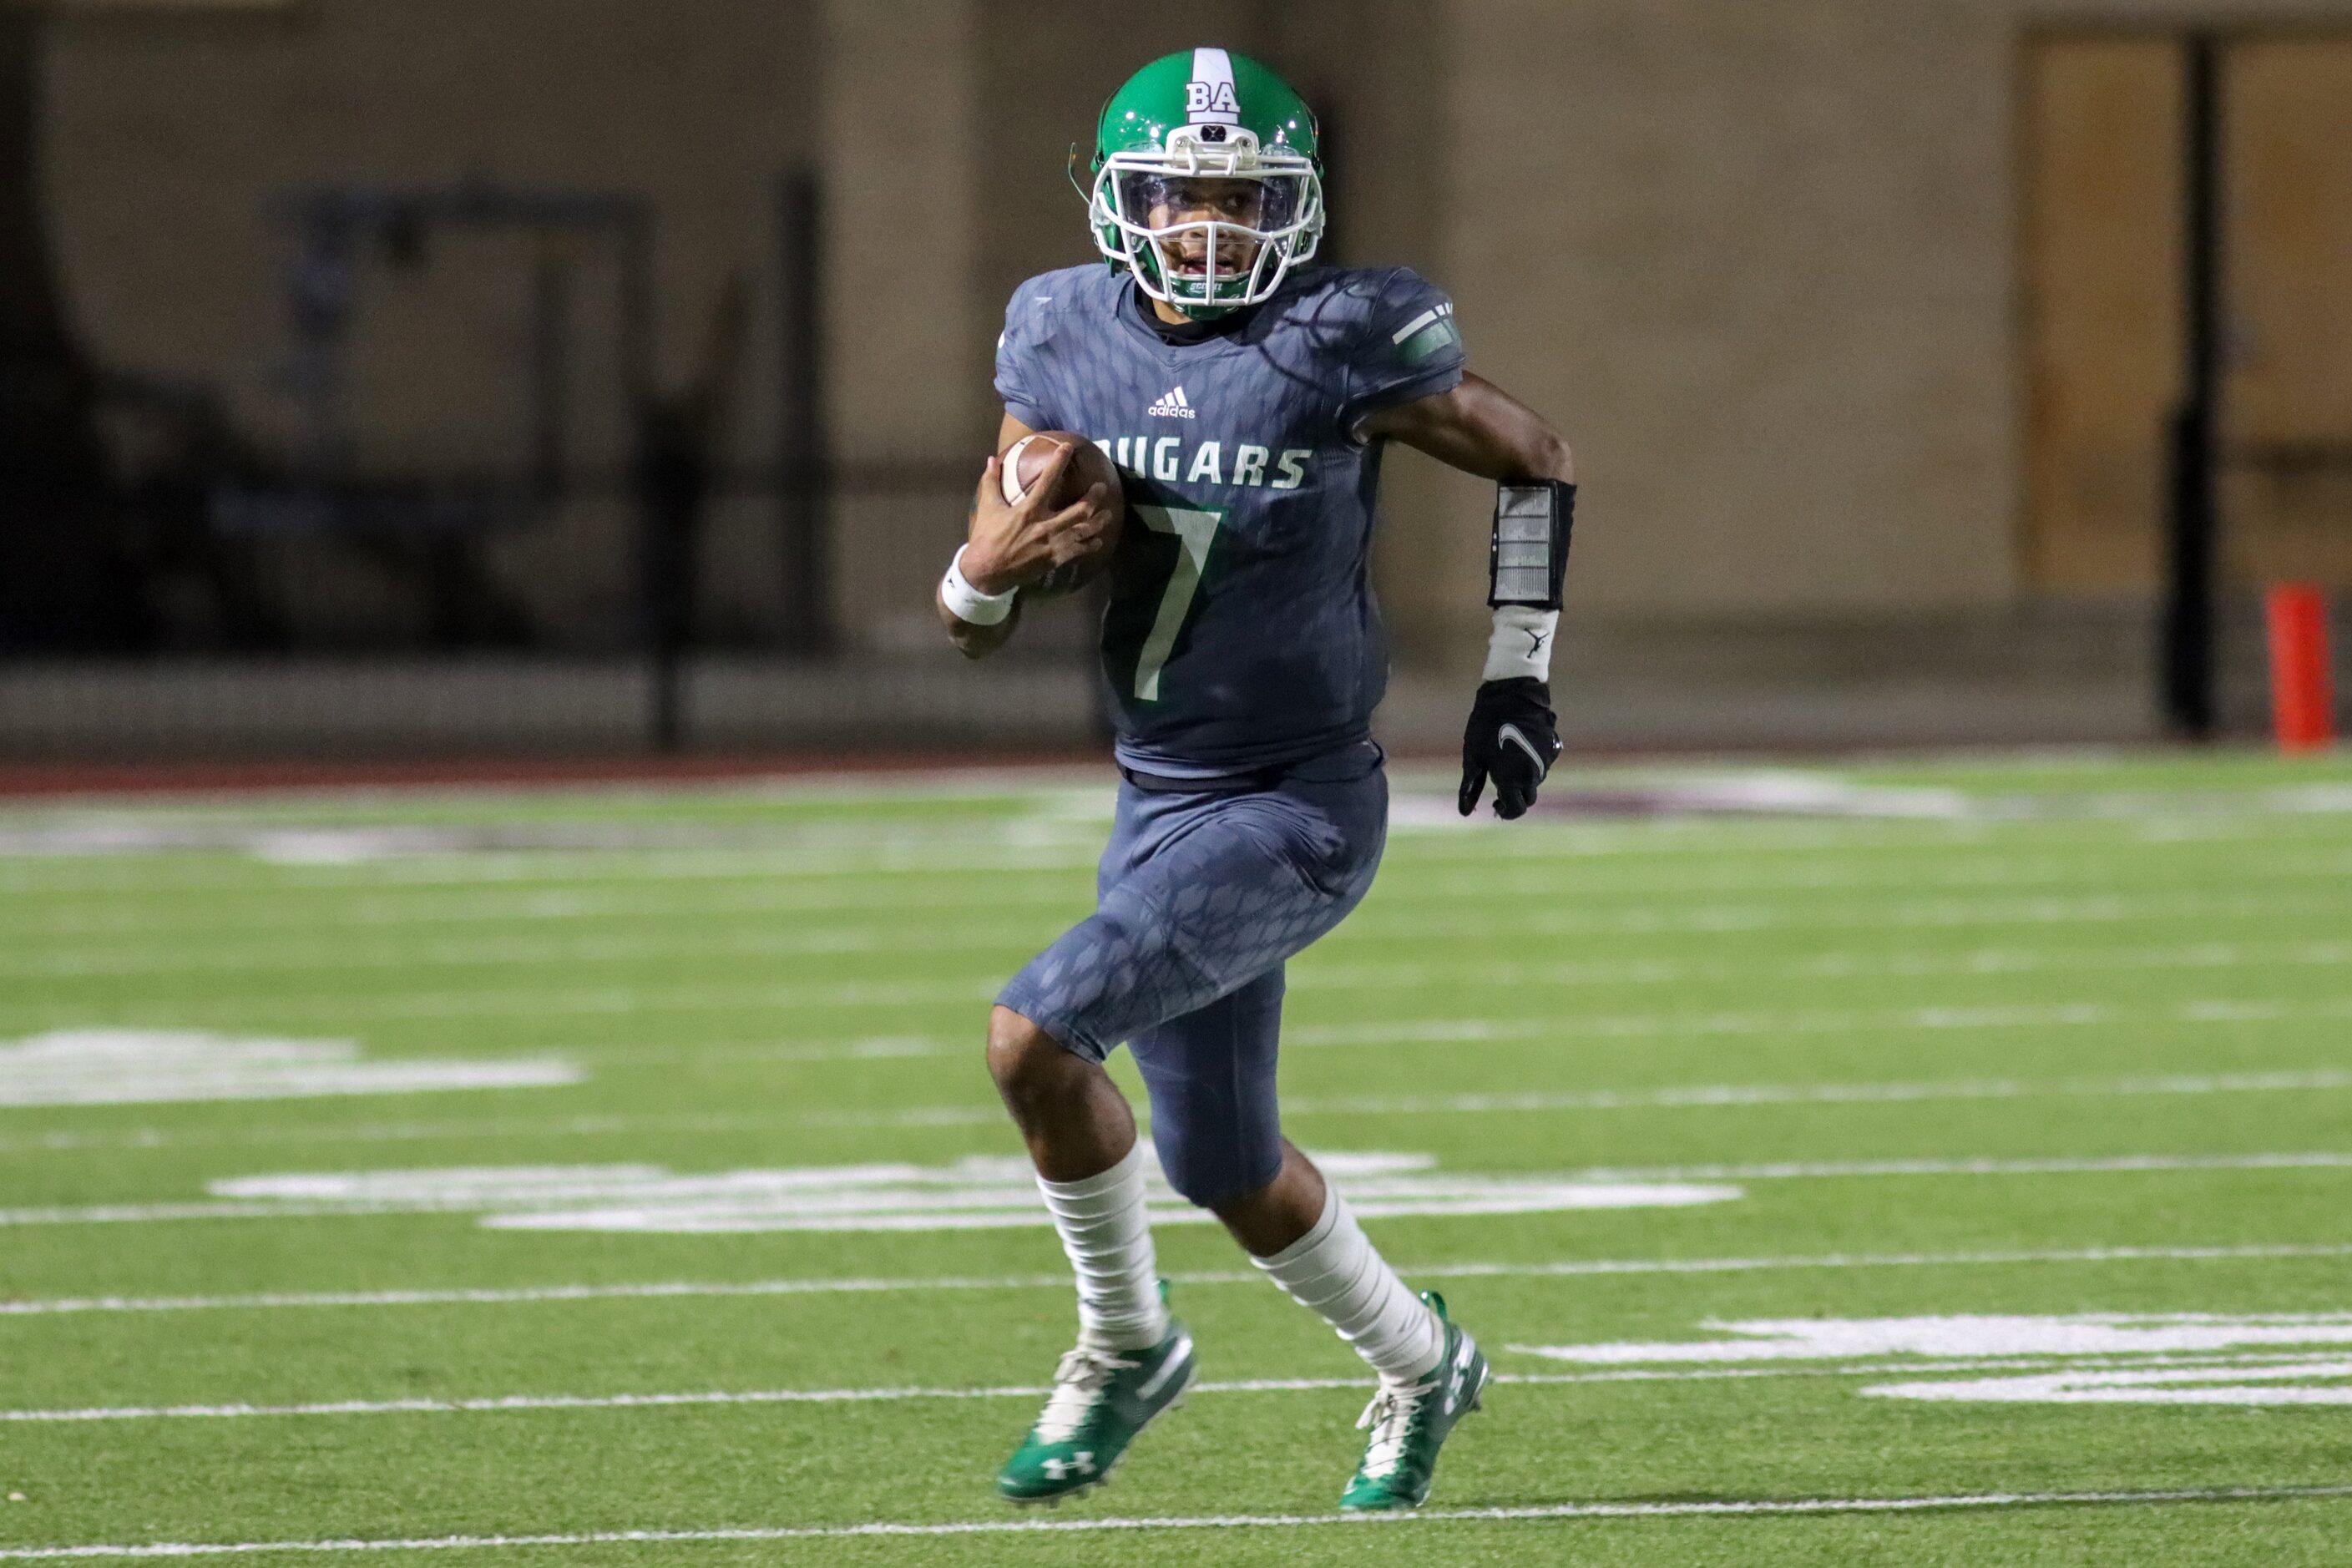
{"x": 1241, "y": 632}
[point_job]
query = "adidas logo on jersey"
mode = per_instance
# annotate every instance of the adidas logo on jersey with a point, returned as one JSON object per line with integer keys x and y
{"x": 1175, "y": 405}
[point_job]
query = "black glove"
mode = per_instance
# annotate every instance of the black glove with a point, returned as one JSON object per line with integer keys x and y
{"x": 1512, "y": 736}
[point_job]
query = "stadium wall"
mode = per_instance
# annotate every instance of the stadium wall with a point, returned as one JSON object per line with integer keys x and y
{"x": 1758, "y": 259}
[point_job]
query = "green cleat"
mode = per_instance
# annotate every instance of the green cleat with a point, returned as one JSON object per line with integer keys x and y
{"x": 1100, "y": 1400}
{"x": 1410, "y": 1425}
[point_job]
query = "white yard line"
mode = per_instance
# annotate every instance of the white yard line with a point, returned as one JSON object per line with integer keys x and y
{"x": 126, "y": 1067}
{"x": 960, "y": 847}
{"x": 2059, "y": 1166}
{"x": 660, "y": 1290}
{"x": 338, "y": 1009}
{"x": 947, "y": 853}
{"x": 1321, "y": 974}
{"x": 224, "y": 1209}
{"x": 2048, "y": 910}
{"x": 1566, "y": 1269}
{"x": 459, "y": 1130}
{"x": 507, "y": 951}
{"x": 834, "y": 941}
{"x": 1566, "y": 909}
{"x": 516, "y": 1403}
{"x": 2093, "y": 868}
{"x": 2201, "y": 1011}
{"x": 102, "y": 835}
{"x": 1009, "y": 847}
{"x": 402, "y": 855}
{"x": 1708, "y": 1095}
{"x": 297, "y": 909}
{"x": 144, "y": 1213}
{"x": 1894, "y": 1021}
{"x": 1669, "y": 1096}
{"x": 567, "y": 1000}
{"x": 1694, "y": 1509}
{"x": 308, "y": 906}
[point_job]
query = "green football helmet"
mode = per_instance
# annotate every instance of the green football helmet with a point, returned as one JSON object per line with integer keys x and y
{"x": 1207, "y": 181}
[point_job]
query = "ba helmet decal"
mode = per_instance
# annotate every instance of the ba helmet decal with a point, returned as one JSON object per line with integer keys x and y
{"x": 1204, "y": 98}
{"x": 1209, "y": 96}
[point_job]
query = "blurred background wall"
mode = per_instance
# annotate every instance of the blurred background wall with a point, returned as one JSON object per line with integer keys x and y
{"x": 1863, "y": 316}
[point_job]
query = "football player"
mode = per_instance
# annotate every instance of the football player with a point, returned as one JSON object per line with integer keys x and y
{"x": 1246, "y": 396}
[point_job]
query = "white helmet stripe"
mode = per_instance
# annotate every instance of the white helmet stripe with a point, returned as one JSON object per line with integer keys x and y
{"x": 1209, "y": 96}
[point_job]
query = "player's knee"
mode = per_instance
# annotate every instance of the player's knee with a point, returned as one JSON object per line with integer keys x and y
{"x": 1028, "y": 1063}
{"x": 1012, "y": 1040}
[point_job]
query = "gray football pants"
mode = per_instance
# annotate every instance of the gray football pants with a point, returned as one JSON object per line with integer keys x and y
{"x": 1203, "y": 895}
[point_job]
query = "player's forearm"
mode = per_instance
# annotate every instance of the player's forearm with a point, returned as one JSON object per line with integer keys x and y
{"x": 1512, "y": 734}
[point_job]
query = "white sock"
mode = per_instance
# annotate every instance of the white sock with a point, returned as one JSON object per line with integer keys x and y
{"x": 1335, "y": 1270}
{"x": 1108, "y": 1241}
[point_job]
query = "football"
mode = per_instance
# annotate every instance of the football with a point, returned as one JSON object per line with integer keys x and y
{"x": 1026, "y": 462}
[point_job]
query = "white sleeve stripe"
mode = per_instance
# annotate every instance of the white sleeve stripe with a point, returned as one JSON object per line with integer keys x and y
{"x": 1414, "y": 326}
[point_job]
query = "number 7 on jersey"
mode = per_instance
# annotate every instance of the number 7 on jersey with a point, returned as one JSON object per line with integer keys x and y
{"x": 1194, "y": 531}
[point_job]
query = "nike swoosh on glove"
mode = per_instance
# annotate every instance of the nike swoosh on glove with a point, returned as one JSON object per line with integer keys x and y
{"x": 1512, "y": 738}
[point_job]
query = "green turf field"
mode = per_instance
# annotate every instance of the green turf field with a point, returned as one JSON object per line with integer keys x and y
{"x": 1952, "y": 1164}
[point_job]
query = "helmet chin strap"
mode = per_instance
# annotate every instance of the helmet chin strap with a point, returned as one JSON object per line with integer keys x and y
{"x": 1177, "y": 326}
{"x": 1218, "y": 290}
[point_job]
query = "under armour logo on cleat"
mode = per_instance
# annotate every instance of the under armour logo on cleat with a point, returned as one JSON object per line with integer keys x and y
{"x": 1081, "y": 1463}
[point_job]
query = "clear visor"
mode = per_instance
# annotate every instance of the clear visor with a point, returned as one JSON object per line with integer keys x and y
{"x": 1215, "y": 238}
{"x": 1154, "y": 200}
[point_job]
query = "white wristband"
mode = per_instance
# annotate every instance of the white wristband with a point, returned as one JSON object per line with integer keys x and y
{"x": 968, "y": 603}
{"x": 1520, "y": 643}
